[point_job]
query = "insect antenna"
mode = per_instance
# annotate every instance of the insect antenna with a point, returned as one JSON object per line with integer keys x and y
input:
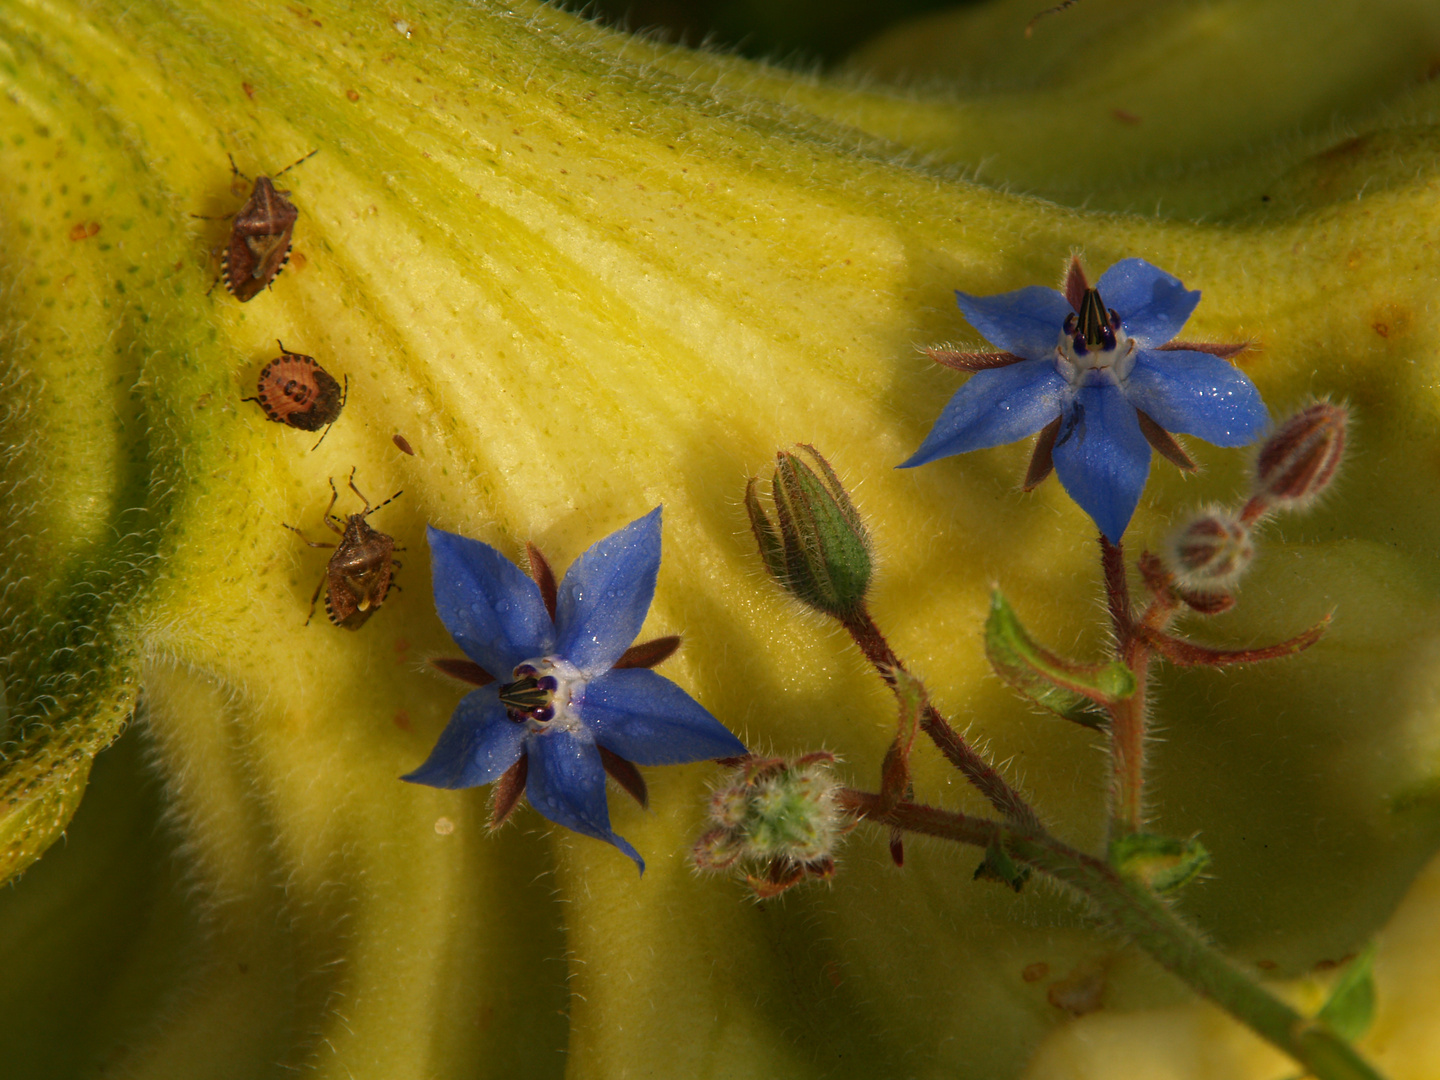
{"x": 287, "y": 168}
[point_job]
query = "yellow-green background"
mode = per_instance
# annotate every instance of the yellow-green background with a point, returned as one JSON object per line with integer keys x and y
{"x": 584, "y": 274}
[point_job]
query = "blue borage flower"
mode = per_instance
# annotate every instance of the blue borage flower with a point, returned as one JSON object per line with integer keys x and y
{"x": 1102, "y": 385}
{"x": 579, "y": 701}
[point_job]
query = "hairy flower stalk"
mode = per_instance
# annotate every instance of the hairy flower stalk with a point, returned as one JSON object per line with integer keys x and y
{"x": 581, "y": 275}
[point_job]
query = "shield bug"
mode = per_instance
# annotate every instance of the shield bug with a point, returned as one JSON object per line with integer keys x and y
{"x": 260, "y": 233}
{"x": 357, "y": 577}
{"x": 293, "y": 389}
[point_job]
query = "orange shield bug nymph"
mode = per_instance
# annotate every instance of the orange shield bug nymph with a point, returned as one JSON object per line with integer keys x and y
{"x": 260, "y": 233}
{"x": 358, "y": 576}
{"x": 293, "y": 389}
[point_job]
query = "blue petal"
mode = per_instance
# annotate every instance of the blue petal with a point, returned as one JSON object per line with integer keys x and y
{"x": 1195, "y": 393}
{"x": 1026, "y": 322}
{"x": 1152, "y": 304}
{"x": 476, "y": 747}
{"x": 647, "y": 719}
{"x": 1102, "y": 457}
{"x": 492, "y": 610}
{"x": 566, "y": 783}
{"x": 605, "y": 595}
{"x": 996, "y": 406}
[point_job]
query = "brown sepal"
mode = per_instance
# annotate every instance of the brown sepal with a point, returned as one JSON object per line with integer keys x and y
{"x": 1161, "y": 583}
{"x": 464, "y": 670}
{"x": 1042, "y": 461}
{"x": 782, "y": 875}
{"x": 1224, "y": 350}
{"x": 972, "y": 361}
{"x": 1164, "y": 443}
{"x": 1152, "y": 569}
{"x": 508, "y": 790}
{"x": 1206, "y": 603}
{"x": 1076, "y": 284}
{"x": 649, "y": 653}
{"x": 897, "y": 847}
{"x": 625, "y": 774}
{"x": 1188, "y": 654}
{"x": 543, "y": 575}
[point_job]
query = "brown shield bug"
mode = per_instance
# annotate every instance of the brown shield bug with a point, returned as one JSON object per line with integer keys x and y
{"x": 358, "y": 574}
{"x": 293, "y": 389}
{"x": 260, "y": 233}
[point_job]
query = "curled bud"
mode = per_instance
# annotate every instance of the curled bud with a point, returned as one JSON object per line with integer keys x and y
{"x": 817, "y": 547}
{"x": 1298, "y": 462}
{"x": 1161, "y": 862}
{"x": 1211, "y": 552}
{"x": 779, "y": 814}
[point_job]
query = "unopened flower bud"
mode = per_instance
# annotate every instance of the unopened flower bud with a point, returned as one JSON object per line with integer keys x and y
{"x": 1299, "y": 460}
{"x": 817, "y": 547}
{"x": 1211, "y": 551}
{"x": 777, "y": 813}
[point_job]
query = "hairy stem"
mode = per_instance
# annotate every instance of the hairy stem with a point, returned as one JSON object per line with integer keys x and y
{"x": 1004, "y": 798}
{"x": 1127, "y": 717}
{"x": 1129, "y": 908}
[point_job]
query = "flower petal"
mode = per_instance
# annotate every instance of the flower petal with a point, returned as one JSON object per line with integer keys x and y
{"x": 605, "y": 595}
{"x": 567, "y": 785}
{"x": 1194, "y": 393}
{"x": 996, "y": 406}
{"x": 1102, "y": 458}
{"x": 478, "y": 744}
{"x": 1026, "y": 322}
{"x": 492, "y": 610}
{"x": 647, "y": 719}
{"x": 1152, "y": 304}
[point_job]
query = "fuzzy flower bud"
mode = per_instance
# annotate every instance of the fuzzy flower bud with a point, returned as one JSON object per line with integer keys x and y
{"x": 780, "y": 814}
{"x": 817, "y": 547}
{"x": 1211, "y": 551}
{"x": 1298, "y": 462}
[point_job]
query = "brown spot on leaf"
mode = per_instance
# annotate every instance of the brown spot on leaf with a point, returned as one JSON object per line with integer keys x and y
{"x": 352, "y": 95}
{"x": 1035, "y": 972}
{"x": 1391, "y": 320}
{"x": 402, "y": 720}
{"x": 249, "y": 90}
{"x": 1080, "y": 992}
{"x": 84, "y": 230}
{"x": 1125, "y": 116}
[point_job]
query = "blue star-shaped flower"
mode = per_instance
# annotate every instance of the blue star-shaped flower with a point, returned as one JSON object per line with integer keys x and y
{"x": 578, "y": 701}
{"x": 1101, "y": 384}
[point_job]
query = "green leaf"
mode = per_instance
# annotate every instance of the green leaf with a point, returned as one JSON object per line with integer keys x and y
{"x": 999, "y": 866}
{"x": 1065, "y": 687}
{"x": 1350, "y": 1009}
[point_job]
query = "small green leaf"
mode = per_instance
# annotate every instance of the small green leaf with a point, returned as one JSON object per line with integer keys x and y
{"x": 1066, "y": 687}
{"x": 999, "y": 866}
{"x": 1161, "y": 862}
{"x": 1350, "y": 1009}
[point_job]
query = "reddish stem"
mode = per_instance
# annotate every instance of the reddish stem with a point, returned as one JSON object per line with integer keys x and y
{"x": 961, "y": 754}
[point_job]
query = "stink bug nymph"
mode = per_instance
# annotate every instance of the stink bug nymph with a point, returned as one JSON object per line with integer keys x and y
{"x": 259, "y": 244}
{"x": 293, "y": 389}
{"x": 358, "y": 574}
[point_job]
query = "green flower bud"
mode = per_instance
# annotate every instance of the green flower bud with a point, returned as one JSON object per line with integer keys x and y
{"x": 817, "y": 547}
{"x": 779, "y": 814}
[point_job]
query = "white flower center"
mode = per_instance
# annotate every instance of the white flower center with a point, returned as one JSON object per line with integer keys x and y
{"x": 543, "y": 694}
